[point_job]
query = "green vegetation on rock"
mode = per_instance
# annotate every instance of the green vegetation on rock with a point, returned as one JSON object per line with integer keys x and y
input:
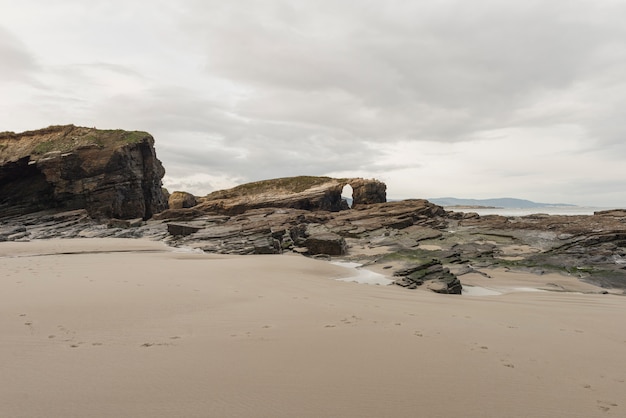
{"x": 417, "y": 256}
{"x": 44, "y": 147}
{"x": 77, "y": 137}
{"x": 291, "y": 184}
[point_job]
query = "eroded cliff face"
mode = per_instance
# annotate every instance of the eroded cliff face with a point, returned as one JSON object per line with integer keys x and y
{"x": 110, "y": 173}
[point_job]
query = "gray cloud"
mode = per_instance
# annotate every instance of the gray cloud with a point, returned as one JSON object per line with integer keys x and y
{"x": 428, "y": 72}
{"x": 16, "y": 63}
{"x": 483, "y": 97}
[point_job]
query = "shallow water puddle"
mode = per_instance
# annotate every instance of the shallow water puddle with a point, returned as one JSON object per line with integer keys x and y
{"x": 363, "y": 276}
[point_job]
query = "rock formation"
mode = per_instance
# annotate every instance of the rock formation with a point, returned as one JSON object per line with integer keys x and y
{"x": 110, "y": 173}
{"x": 303, "y": 192}
{"x": 432, "y": 273}
{"x": 59, "y": 181}
{"x": 181, "y": 200}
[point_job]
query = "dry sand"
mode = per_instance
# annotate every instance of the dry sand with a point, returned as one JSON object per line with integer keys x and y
{"x": 92, "y": 329}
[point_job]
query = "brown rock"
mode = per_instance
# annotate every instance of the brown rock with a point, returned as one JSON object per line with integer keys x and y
{"x": 303, "y": 192}
{"x": 180, "y": 200}
{"x": 325, "y": 243}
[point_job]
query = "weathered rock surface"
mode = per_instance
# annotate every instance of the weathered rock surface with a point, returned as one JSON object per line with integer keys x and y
{"x": 181, "y": 200}
{"x": 307, "y": 216}
{"x": 439, "y": 279}
{"x": 110, "y": 174}
{"x": 276, "y": 230}
{"x": 76, "y": 224}
{"x": 592, "y": 248}
{"x": 304, "y": 192}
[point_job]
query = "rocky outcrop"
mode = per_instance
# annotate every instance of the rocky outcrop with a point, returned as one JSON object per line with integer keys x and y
{"x": 367, "y": 192}
{"x": 109, "y": 173}
{"x": 274, "y": 230}
{"x": 437, "y": 278}
{"x": 303, "y": 192}
{"x": 76, "y": 224}
{"x": 181, "y": 200}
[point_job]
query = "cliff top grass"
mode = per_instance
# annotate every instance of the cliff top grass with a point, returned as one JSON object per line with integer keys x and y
{"x": 296, "y": 184}
{"x": 64, "y": 138}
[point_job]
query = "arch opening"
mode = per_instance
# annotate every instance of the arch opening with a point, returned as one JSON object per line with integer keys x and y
{"x": 346, "y": 195}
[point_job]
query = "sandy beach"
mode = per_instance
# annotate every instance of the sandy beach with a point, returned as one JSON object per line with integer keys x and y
{"x": 132, "y": 328}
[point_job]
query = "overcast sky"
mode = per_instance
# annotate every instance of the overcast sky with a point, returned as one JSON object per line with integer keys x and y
{"x": 476, "y": 99}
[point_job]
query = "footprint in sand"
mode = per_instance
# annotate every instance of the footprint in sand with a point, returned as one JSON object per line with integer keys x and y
{"x": 605, "y": 406}
{"x": 329, "y": 326}
{"x": 154, "y": 344}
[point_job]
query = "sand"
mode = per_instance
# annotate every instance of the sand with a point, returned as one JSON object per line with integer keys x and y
{"x": 123, "y": 328}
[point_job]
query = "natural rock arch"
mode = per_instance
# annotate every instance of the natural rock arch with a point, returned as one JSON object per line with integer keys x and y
{"x": 346, "y": 194}
{"x": 366, "y": 192}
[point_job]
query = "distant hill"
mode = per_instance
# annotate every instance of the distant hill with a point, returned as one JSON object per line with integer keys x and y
{"x": 504, "y": 202}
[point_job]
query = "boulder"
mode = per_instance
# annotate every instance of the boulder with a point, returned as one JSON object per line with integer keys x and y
{"x": 180, "y": 200}
{"x": 432, "y": 273}
{"x": 325, "y": 243}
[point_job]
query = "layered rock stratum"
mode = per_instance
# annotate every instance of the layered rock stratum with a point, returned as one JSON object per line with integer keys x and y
{"x": 109, "y": 173}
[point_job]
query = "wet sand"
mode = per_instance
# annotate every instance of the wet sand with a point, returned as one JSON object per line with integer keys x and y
{"x": 129, "y": 328}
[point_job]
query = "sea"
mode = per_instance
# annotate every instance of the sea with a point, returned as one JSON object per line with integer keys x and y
{"x": 548, "y": 210}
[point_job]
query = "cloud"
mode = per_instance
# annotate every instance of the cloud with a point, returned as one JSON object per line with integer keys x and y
{"x": 480, "y": 99}
{"x": 401, "y": 72}
{"x": 16, "y": 63}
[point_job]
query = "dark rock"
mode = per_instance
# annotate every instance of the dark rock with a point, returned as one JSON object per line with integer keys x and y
{"x": 124, "y": 223}
{"x": 267, "y": 245}
{"x": 432, "y": 273}
{"x": 618, "y": 213}
{"x": 111, "y": 174}
{"x": 325, "y": 243}
{"x": 417, "y": 268}
{"x": 184, "y": 214}
{"x": 366, "y": 192}
{"x": 448, "y": 284}
{"x": 178, "y": 229}
{"x": 9, "y": 231}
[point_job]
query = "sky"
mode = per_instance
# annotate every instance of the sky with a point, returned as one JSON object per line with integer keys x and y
{"x": 479, "y": 99}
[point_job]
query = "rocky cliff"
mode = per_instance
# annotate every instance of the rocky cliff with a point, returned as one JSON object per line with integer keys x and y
{"x": 110, "y": 173}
